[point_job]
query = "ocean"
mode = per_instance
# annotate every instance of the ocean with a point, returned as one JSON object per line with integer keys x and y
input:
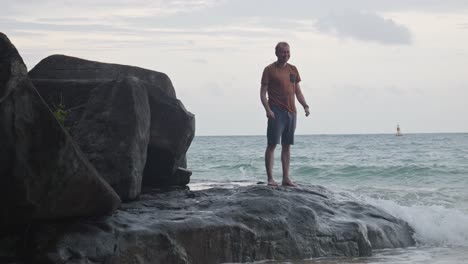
{"x": 421, "y": 178}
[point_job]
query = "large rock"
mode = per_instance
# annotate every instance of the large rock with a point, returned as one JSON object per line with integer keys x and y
{"x": 224, "y": 225}
{"x": 43, "y": 174}
{"x": 127, "y": 120}
{"x": 114, "y": 132}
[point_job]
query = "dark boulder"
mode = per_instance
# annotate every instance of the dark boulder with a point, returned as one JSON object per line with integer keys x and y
{"x": 43, "y": 174}
{"x": 95, "y": 115}
{"x": 114, "y": 133}
{"x": 225, "y": 225}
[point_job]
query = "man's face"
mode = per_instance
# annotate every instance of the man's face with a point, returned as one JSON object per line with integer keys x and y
{"x": 283, "y": 54}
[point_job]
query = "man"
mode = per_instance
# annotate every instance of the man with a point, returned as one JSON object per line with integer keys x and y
{"x": 280, "y": 80}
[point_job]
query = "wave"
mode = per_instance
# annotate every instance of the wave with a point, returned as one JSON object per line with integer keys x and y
{"x": 373, "y": 174}
{"x": 233, "y": 167}
{"x": 434, "y": 225}
{"x": 353, "y": 169}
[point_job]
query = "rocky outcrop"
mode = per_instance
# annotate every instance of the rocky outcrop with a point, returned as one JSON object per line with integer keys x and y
{"x": 43, "y": 174}
{"x": 127, "y": 120}
{"x": 223, "y": 225}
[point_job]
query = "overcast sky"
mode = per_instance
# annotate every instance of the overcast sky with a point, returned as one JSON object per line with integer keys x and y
{"x": 366, "y": 65}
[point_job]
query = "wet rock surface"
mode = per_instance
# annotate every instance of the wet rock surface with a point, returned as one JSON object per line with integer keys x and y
{"x": 224, "y": 225}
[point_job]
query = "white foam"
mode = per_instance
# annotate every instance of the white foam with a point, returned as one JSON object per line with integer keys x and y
{"x": 243, "y": 172}
{"x": 435, "y": 225}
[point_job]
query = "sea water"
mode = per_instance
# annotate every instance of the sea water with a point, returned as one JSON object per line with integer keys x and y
{"x": 421, "y": 178}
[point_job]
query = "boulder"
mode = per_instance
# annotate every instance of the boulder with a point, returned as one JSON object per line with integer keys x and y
{"x": 114, "y": 133}
{"x": 218, "y": 225}
{"x": 43, "y": 173}
{"x": 95, "y": 115}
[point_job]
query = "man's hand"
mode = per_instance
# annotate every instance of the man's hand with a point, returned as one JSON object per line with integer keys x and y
{"x": 306, "y": 109}
{"x": 270, "y": 114}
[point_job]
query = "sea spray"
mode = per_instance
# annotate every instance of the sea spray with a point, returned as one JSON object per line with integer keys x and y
{"x": 434, "y": 225}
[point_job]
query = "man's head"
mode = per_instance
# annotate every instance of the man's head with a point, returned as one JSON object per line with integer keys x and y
{"x": 282, "y": 52}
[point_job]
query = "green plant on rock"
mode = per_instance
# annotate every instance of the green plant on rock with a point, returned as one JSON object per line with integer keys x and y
{"x": 60, "y": 112}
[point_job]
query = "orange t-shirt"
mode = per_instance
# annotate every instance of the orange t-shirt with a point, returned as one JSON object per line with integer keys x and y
{"x": 281, "y": 82}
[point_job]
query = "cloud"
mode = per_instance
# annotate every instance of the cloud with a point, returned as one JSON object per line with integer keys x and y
{"x": 53, "y": 9}
{"x": 16, "y": 25}
{"x": 200, "y": 61}
{"x": 364, "y": 26}
{"x": 462, "y": 25}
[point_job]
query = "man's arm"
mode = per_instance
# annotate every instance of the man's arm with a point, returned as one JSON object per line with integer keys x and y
{"x": 263, "y": 97}
{"x": 300, "y": 97}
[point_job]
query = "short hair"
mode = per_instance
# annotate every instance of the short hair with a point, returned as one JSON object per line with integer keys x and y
{"x": 280, "y": 44}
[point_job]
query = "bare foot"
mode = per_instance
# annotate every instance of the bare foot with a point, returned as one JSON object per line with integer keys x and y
{"x": 272, "y": 183}
{"x": 288, "y": 183}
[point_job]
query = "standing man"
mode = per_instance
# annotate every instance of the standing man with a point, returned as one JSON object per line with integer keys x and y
{"x": 280, "y": 80}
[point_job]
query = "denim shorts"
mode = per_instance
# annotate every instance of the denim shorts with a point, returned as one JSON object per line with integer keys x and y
{"x": 282, "y": 126}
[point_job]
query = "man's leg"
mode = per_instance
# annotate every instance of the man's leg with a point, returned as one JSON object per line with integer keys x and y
{"x": 269, "y": 159}
{"x": 285, "y": 159}
{"x": 287, "y": 139}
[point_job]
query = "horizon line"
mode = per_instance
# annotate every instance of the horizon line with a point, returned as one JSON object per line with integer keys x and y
{"x": 331, "y": 134}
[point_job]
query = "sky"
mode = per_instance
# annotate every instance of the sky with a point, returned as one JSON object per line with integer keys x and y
{"x": 366, "y": 65}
